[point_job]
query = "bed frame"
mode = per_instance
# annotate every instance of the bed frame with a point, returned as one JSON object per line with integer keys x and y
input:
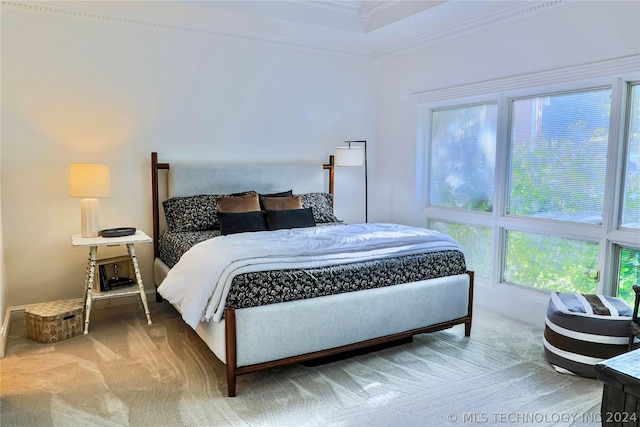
{"x": 318, "y": 328}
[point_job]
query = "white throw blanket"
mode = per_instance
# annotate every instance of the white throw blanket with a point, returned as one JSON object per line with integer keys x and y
{"x": 199, "y": 283}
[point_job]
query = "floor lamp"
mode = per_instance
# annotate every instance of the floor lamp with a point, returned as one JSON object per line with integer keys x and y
{"x": 355, "y": 156}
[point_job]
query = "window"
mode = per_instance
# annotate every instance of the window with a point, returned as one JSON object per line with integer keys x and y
{"x": 559, "y": 155}
{"x": 628, "y": 273}
{"x": 463, "y": 152}
{"x": 541, "y": 187}
{"x": 476, "y": 242}
{"x": 551, "y": 263}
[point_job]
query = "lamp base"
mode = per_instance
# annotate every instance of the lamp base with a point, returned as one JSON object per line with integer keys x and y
{"x": 90, "y": 217}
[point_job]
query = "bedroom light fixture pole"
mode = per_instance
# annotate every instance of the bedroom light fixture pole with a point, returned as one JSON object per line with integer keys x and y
{"x": 89, "y": 181}
{"x": 355, "y": 156}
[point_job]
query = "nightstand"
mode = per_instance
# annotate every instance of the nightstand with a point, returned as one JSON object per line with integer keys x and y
{"x": 621, "y": 391}
{"x": 90, "y": 278}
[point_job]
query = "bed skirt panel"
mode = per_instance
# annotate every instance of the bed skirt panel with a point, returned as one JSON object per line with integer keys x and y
{"x": 213, "y": 334}
{"x": 160, "y": 271}
{"x": 278, "y": 331}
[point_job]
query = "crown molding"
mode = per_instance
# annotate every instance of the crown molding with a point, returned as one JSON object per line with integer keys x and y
{"x": 375, "y": 6}
{"x": 91, "y": 11}
{"x": 350, "y": 7}
{"x": 628, "y": 65}
{"x": 466, "y": 26}
{"x": 159, "y": 24}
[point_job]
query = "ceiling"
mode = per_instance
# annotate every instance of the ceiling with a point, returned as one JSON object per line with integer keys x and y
{"x": 362, "y": 28}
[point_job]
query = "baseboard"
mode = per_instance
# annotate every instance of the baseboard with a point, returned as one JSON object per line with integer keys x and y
{"x": 9, "y": 315}
{"x": 15, "y": 311}
{"x": 5, "y": 332}
{"x": 526, "y": 305}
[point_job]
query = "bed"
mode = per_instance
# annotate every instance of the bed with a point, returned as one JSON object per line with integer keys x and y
{"x": 294, "y": 292}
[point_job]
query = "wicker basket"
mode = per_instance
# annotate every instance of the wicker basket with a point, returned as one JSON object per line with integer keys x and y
{"x": 54, "y": 321}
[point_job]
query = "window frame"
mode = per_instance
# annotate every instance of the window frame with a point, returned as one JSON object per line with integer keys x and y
{"x": 610, "y": 236}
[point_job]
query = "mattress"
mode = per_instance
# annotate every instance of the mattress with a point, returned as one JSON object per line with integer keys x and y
{"x": 275, "y": 286}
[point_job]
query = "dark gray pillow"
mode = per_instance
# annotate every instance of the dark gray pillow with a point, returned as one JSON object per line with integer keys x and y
{"x": 322, "y": 205}
{"x": 281, "y": 194}
{"x": 241, "y": 222}
{"x": 290, "y": 218}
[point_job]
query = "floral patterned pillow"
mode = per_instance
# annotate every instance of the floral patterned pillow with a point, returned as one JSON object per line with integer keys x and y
{"x": 194, "y": 213}
{"x": 322, "y": 206}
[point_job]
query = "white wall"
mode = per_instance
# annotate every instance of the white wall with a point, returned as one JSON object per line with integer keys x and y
{"x": 573, "y": 33}
{"x": 3, "y": 299}
{"x": 77, "y": 89}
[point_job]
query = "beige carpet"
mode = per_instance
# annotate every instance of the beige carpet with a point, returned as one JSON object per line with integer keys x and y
{"x": 125, "y": 373}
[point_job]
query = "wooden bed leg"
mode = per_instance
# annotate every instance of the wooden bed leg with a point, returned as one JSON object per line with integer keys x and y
{"x": 467, "y": 324}
{"x": 230, "y": 335}
{"x": 231, "y": 382}
{"x": 467, "y": 328}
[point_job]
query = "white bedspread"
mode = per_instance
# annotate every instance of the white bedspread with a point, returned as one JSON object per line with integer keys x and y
{"x": 199, "y": 283}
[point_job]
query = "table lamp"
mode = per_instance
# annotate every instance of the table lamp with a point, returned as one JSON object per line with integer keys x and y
{"x": 89, "y": 181}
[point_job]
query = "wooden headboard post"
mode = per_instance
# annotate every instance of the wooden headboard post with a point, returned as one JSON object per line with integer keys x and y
{"x": 331, "y": 166}
{"x": 155, "y": 166}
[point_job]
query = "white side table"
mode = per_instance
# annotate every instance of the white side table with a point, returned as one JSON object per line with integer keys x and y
{"x": 93, "y": 243}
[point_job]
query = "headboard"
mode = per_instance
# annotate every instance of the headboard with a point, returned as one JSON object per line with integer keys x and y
{"x": 193, "y": 178}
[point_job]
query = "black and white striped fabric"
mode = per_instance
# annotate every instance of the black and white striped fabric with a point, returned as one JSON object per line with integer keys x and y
{"x": 583, "y": 329}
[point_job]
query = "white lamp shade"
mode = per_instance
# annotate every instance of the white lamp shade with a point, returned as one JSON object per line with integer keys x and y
{"x": 89, "y": 180}
{"x": 348, "y": 156}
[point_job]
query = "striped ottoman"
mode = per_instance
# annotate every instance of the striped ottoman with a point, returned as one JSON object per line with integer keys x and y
{"x": 582, "y": 330}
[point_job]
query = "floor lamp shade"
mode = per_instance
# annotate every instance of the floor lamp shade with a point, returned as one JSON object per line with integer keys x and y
{"x": 349, "y": 156}
{"x": 89, "y": 181}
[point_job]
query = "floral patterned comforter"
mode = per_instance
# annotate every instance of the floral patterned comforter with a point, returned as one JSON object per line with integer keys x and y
{"x": 419, "y": 254}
